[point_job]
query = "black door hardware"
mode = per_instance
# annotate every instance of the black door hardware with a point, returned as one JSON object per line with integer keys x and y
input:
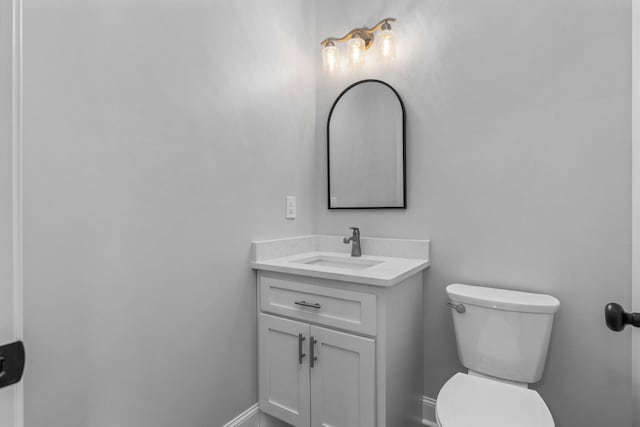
{"x": 11, "y": 363}
{"x": 312, "y": 352}
{"x": 300, "y": 353}
{"x": 617, "y": 318}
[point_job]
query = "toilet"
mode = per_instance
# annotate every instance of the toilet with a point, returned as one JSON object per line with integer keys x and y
{"x": 503, "y": 338}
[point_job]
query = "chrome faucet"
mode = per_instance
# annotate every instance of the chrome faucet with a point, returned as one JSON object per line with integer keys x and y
{"x": 355, "y": 242}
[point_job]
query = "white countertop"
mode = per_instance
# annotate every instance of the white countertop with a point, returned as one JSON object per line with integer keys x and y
{"x": 387, "y": 271}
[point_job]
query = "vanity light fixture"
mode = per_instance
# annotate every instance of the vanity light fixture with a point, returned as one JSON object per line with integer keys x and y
{"x": 355, "y": 48}
{"x": 330, "y": 58}
{"x": 388, "y": 44}
{"x": 358, "y": 41}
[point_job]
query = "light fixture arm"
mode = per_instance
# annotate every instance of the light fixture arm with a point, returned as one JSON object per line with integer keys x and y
{"x": 363, "y": 32}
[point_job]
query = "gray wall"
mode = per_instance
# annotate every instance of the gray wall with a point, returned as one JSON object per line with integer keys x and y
{"x": 6, "y": 204}
{"x": 518, "y": 171}
{"x": 161, "y": 136}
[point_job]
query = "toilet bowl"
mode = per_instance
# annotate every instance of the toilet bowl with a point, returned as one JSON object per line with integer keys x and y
{"x": 470, "y": 401}
{"x": 503, "y": 339}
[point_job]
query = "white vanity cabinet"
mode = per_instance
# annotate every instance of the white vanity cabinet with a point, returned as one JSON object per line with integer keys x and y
{"x": 340, "y": 337}
{"x": 340, "y": 354}
{"x": 337, "y": 389}
{"x": 342, "y": 379}
{"x": 284, "y": 380}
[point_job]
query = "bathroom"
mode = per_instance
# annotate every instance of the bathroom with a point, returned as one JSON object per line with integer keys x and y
{"x": 146, "y": 144}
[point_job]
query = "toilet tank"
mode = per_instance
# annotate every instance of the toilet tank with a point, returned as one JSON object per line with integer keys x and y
{"x": 502, "y": 333}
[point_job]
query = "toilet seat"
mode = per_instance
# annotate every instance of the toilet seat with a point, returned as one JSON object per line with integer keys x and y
{"x": 470, "y": 401}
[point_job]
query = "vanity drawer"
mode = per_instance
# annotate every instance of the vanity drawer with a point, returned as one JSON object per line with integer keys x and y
{"x": 351, "y": 311}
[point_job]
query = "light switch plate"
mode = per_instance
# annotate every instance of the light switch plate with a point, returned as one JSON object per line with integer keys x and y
{"x": 291, "y": 207}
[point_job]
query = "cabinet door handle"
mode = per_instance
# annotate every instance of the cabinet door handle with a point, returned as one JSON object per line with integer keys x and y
{"x": 307, "y": 304}
{"x": 312, "y": 351}
{"x": 301, "y": 355}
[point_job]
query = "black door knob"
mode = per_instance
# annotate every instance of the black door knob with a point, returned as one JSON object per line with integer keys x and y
{"x": 617, "y": 318}
{"x": 11, "y": 363}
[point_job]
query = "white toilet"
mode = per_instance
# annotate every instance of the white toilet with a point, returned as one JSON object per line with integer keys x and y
{"x": 502, "y": 337}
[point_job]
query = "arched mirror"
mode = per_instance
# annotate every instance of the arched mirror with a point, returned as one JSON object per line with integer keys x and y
{"x": 366, "y": 148}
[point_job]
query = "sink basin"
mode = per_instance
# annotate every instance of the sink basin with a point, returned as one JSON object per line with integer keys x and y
{"x": 354, "y": 264}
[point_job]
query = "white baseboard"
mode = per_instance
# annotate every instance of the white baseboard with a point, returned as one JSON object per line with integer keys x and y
{"x": 249, "y": 418}
{"x": 429, "y": 412}
{"x": 252, "y": 417}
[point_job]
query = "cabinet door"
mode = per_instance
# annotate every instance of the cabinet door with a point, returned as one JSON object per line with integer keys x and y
{"x": 284, "y": 377}
{"x": 342, "y": 380}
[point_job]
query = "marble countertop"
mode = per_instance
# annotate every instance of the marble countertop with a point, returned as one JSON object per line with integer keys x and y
{"x": 316, "y": 256}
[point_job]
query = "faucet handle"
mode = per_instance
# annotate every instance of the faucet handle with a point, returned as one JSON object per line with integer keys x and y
{"x": 356, "y": 230}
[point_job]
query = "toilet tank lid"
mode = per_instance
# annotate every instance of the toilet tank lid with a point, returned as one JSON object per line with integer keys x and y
{"x": 503, "y": 299}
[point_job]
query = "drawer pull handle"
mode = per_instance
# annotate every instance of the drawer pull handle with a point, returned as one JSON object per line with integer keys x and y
{"x": 300, "y": 353}
{"x": 308, "y": 304}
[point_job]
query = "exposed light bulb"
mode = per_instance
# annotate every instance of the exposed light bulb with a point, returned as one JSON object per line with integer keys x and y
{"x": 330, "y": 58}
{"x": 355, "y": 48}
{"x": 387, "y": 44}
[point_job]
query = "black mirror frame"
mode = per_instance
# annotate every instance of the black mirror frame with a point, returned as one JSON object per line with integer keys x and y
{"x": 404, "y": 149}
